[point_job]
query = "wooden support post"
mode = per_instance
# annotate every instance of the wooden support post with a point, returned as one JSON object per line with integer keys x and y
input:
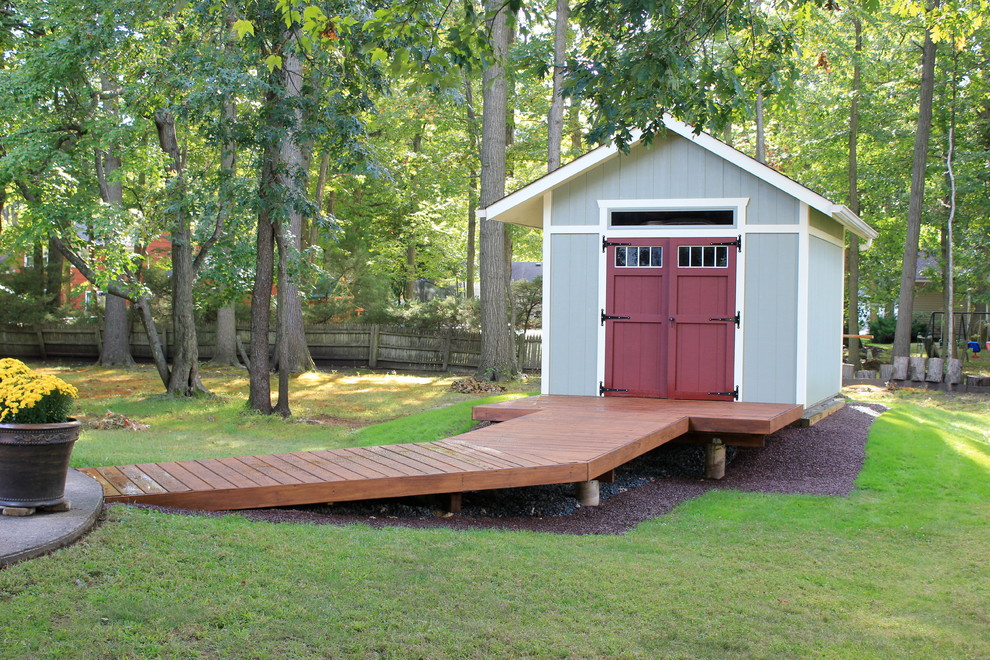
{"x": 715, "y": 459}
{"x": 587, "y": 493}
{"x": 453, "y": 502}
{"x": 607, "y": 478}
{"x": 900, "y": 368}
{"x": 41, "y": 343}
{"x": 935, "y": 370}
{"x": 373, "y": 340}
{"x": 916, "y": 367}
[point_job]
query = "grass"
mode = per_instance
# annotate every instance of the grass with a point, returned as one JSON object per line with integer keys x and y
{"x": 330, "y": 410}
{"x": 898, "y": 568}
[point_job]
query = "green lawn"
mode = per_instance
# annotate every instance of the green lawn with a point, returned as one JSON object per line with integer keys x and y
{"x": 901, "y": 567}
{"x": 330, "y": 409}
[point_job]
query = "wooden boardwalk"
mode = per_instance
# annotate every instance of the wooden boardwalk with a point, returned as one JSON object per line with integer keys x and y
{"x": 544, "y": 440}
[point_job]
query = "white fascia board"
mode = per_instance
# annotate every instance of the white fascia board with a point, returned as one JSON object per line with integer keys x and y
{"x": 854, "y": 223}
{"x": 839, "y": 212}
{"x": 550, "y": 181}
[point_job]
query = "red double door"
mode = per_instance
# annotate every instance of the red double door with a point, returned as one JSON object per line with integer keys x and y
{"x": 670, "y": 318}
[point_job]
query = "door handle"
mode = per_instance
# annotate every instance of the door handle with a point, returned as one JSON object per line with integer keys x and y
{"x": 673, "y": 320}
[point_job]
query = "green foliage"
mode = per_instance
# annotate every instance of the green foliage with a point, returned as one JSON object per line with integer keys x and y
{"x": 528, "y": 301}
{"x": 450, "y": 313}
{"x": 883, "y": 327}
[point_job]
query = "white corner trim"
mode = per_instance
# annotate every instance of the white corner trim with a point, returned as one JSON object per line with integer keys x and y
{"x": 804, "y": 276}
{"x": 547, "y": 293}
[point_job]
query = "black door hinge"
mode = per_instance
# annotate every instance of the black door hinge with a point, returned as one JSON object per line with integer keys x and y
{"x": 735, "y": 319}
{"x": 610, "y": 317}
{"x": 607, "y": 243}
{"x": 737, "y": 243}
{"x": 602, "y": 389}
{"x": 734, "y": 393}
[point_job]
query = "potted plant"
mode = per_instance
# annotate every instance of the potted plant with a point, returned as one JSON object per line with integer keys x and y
{"x": 36, "y": 436}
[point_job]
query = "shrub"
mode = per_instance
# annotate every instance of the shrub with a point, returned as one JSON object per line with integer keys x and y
{"x": 883, "y": 329}
{"x": 27, "y": 397}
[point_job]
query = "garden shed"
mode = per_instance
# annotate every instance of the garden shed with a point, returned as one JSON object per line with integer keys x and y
{"x": 684, "y": 269}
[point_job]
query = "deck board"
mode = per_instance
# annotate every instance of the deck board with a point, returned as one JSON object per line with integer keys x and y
{"x": 541, "y": 440}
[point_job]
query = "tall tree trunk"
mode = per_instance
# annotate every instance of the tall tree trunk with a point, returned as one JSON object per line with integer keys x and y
{"x": 283, "y": 319}
{"x": 54, "y": 278}
{"x": 948, "y": 277}
{"x": 184, "y": 379}
{"x": 292, "y": 173}
{"x": 472, "y": 131}
{"x": 555, "y": 119}
{"x": 409, "y": 289}
{"x": 761, "y": 140}
{"x": 225, "y": 350}
{"x": 905, "y": 301}
{"x": 852, "y": 261}
{"x": 311, "y": 235}
{"x": 498, "y": 358}
{"x": 259, "y": 380}
{"x": 574, "y": 127}
{"x": 116, "y": 350}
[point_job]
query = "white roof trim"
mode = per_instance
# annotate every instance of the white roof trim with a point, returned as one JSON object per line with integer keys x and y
{"x": 578, "y": 166}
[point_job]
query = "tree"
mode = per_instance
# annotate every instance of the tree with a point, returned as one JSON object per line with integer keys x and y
{"x": 852, "y": 255}
{"x": 555, "y": 120}
{"x": 498, "y": 358}
{"x": 919, "y": 166}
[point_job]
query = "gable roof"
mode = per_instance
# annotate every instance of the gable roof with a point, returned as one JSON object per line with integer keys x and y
{"x": 525, "y": 206}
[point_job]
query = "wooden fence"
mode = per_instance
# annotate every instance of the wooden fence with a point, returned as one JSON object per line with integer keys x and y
{"x": 378, "y": 346}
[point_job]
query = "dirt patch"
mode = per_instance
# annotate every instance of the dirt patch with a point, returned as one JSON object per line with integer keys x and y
{"x": 824, "y": 459}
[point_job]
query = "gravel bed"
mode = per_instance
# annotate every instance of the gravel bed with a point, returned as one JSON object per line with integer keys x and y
{"x": 824, "y": 459}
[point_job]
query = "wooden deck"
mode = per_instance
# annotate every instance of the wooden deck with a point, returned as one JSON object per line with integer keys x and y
{"x": 544, "y": 440}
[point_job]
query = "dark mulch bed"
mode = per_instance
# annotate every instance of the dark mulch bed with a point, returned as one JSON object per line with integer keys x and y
{"x": 824, "y": 459}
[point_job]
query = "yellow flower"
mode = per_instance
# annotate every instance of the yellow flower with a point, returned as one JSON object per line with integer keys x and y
{"x": 27, "y": 397}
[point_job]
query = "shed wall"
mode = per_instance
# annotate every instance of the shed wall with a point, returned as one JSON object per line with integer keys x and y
{"x": 830, "y": 226}
{"x": 671, "y": 168}
{"x": 825, "y": 263}
{"x": 769, "y": 315}
{"x": 572, "y": 337}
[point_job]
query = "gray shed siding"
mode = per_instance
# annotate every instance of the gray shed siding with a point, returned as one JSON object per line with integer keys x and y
{"x": 672, "y": 168}
{"x": 769, "y": 314}
{"x": 825, "y": 263}
{"x": 572, "y": 340}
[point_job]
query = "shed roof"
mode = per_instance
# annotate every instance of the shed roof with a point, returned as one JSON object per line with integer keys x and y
{"x": 525, "y": 205}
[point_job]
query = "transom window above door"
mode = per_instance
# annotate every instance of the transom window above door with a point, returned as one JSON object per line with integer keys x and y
{"x": 678, "y": 218}
{"x": 702, "y": 256}
{"x": 639, "y": 256}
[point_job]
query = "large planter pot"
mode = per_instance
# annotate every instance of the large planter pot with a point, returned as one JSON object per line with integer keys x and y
{"x": 34, "y": 459}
